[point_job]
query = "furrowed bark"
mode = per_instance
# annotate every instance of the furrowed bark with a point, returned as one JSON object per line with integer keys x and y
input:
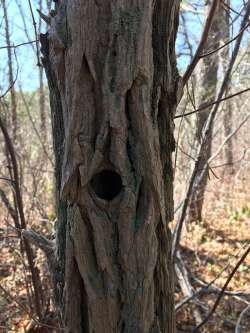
{"x": 114, "y": 88}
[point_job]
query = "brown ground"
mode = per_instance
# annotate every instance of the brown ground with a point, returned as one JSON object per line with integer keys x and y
{"x": 212, "y": 248}
{"x": 207, "y": 247}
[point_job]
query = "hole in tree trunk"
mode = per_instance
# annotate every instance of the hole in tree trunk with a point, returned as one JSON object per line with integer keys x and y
{"x": 106, "y": 184}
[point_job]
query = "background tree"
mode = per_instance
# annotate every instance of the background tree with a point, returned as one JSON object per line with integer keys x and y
{"x": 224, "y": 58}
{"x": 13, "y": 117}
{"x": 208, "y": 81}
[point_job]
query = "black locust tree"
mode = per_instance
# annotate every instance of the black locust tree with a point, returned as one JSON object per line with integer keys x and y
{"x": 114, "y": 87}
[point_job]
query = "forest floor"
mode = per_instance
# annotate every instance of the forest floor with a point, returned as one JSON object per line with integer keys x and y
{"x": 210, "y": 250}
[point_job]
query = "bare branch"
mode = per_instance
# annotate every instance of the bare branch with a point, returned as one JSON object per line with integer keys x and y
{"x": 203, "y": 41}
{"x": 222, "y": 291}
{"x": 13, "y": 82}
{"x": 8, "y": 205}
{"x": 206, "y": 105}
{"x": 35, "y": 128}
{"x": 225, "y": 44}
{"x": 19, "y": 201}
{"x": 34, "y": 25}
{"x": 207, "y": 133}
{"x": 237, "y": 327}
{"x": 8, "y": 296}
{"x": 40, "y": 241}
{"x": 17, "y": 45}
{"x": 46, "y": 18}
{"x": 228, "y": 138}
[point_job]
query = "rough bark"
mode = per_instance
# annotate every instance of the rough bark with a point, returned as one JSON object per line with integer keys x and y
{"x": 114, "y": 87}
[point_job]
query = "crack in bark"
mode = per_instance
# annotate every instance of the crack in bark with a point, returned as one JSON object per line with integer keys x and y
{"x": 110, "y": 74}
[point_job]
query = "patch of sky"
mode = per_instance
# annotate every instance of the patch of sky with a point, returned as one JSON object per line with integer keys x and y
{"x": 24, "y": 57}
{"x": 192, "y": 18}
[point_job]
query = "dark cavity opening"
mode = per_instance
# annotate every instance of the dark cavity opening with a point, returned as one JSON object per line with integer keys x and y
{"x": 106, "y": 184}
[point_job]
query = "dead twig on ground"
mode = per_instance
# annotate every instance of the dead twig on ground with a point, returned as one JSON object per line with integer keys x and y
{"x": 231, "y": 275}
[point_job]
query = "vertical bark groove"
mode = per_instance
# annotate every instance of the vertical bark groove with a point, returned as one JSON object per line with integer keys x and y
{"x": 113, "y": 62}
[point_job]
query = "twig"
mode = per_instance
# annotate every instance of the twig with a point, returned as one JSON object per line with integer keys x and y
{"x": 202, "y": 43}
{"x": 8, "y": 204}
{"x": 17, "y": 45}
{"x": 207, "y": 163}
{"x": 40, "y": 241}
{"x": 7, "y": 293}
{"x": 205, "y": 106}
{"x": 237, "y": 327}
{"x": 34, "y": 25}
{"x": 14, "y": 81}
{"x": 225, "y": 44}
{"x": 233, "y": 162}
{"x": 230, "y": 135}
{"x": 207, "y": 133}
{"x": 186, "y": 287}
{"x": 211, "y": 287}
{"x": 197, "y": 328}
{"x": 230, "y": 8}
{"x": 34, "y": 127}
{"x": 19, "y": 202}
{"x": 46, "y": 18}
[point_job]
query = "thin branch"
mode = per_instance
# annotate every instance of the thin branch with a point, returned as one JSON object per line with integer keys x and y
{"x": 17, "y": 45}
{"x": 203, "y": 41}
{"x": 210, "y": 287}
{"x": 230, "y": 135}
{"x": 44, "y": 17}
{"x": 222, "y": 291}
{"x": 225, "y": 44}
{"x": 185, "y": 33}
{"x": 14, "y": 81}
{"x": 34, "y": 127}
{"x": 207, "y": 132}
{"x": 23, "y": 308}
{"x": 7, "y": 204}
{"x": 26, "y": 28}
{"x": 40, "y": 241}
{"x": 205, "y": 106}
{"x": 34, "y": 25}
{"x": 19, "y": 202}
{"x": 230, "y": 8}
{"x": 192, "y": 100}
{"x": 215, "y": 289}
{"x": 237, "y": 327}
{"x": 233, "y": 162}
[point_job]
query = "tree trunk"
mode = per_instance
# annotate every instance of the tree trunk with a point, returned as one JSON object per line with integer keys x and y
{"x": 114, "y": 87}
{"x": 43, "y": 126}
{"x": 207, "y": 94}
{"x": 228, "y": 113}
{"x": 227, "y": 130}
{"x": 11, "y": 75}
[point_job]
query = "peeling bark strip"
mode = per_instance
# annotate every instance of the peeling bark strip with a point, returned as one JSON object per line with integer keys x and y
{"x": 112, "y": 73}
